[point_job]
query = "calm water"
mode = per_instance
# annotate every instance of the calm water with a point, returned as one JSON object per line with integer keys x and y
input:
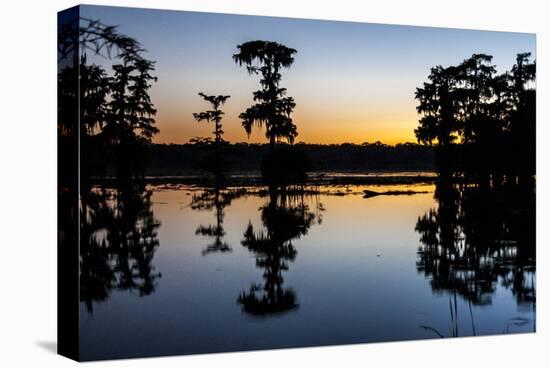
{"x": 183, "y": 269}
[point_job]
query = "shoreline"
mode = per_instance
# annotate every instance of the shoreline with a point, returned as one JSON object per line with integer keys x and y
{"x": 314, "y": 178}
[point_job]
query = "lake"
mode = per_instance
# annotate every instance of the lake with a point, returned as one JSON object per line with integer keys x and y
{"x": 182, "y": 269}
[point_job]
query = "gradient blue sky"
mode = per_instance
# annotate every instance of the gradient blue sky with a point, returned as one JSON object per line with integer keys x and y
{"x": 352, "y": 82}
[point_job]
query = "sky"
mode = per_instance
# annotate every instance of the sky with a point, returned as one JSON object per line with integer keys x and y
{"x": 352, "y": 82}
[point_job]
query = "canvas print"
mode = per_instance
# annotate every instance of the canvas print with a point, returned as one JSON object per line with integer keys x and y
{"x": 233, "y": 183}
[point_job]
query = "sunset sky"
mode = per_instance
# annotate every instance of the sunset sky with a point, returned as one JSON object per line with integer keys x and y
{"x": 352, "y": 82}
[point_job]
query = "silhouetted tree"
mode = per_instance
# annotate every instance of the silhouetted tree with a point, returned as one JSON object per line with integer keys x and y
{"x": 96, "y": 37}
{"x": 94, "y": 89}
{"x": 438, "y": 107}
{"x": 141, "y": 109}
{"x": 523, "y": 75}
{"x": 272, "y": 109}
{"x": 501, "y": 106}
{"x": 214, "y": 115}
{"x": 130, "y": 123}
{"x": 118, "y": 232}
{"x": 483, "y": 230}
{"x": 474, "y": 83}
{"x": 523, "y": 115}
{"x": 130, "y": 111}
{"x": 483, "y": 123}
{"x": 116, "y": 112}
{"x": 214, "y": 161}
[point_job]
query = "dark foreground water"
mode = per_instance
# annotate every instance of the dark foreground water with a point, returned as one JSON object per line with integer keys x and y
{"x": 183, "y": 269}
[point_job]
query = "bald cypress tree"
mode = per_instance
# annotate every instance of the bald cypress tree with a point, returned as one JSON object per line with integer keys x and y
{"x": 482, "y": 122}
{"x": 523, "y": 114}
{"x": 214, "y": 115}
{"x": 214, "y": 160}
{"x": 272, "y": 108}
{"x": 438, "y": 107}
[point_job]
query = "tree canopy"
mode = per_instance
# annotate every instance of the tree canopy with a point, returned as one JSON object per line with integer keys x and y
{"x": 273, "y": 107}
{"x": 214, "y": 115}
{"x": 471, "y": 103}
{"x": 481, "y": 120}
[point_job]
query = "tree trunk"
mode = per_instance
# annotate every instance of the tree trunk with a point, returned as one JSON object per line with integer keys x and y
{"x": 272, "y": 143}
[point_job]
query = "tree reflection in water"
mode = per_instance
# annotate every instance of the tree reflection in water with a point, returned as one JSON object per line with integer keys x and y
{"x": 118, "y": 242}
{"x": 481, "y": 234}
{"x": 215, "y": 199}
{"x": 285, "y": 218}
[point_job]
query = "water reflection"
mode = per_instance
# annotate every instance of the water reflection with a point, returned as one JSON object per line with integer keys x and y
{"x": 118, "y": 242}
{"x": 215, "y": 199}
{"x": 285, "y": 218}
{"x": 283, "y": 282}
{"x": 480, "y": 234}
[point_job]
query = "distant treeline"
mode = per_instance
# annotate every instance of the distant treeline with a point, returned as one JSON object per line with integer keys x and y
{"x": 176, "y": 159}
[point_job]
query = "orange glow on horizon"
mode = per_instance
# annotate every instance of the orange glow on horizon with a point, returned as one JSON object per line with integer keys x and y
{"x": 319, "y": 127}
{"x": 171, "y": 134}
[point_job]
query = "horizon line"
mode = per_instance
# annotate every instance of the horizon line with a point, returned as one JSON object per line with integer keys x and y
{"x": 378, "y": 142}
